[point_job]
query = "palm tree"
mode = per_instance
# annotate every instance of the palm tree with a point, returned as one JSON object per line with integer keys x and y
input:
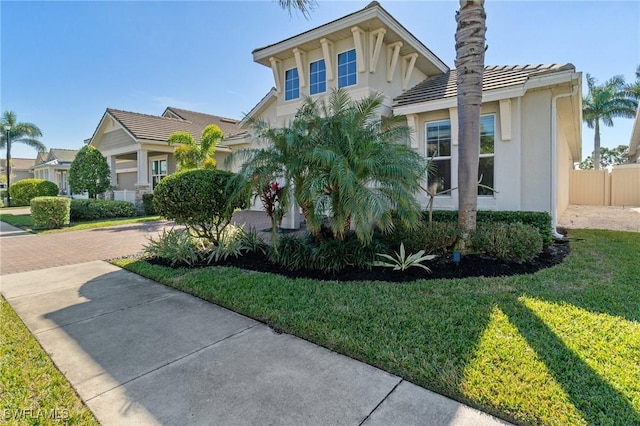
{"x": 470, "y": 48}
{"x": 361, "y": 168}
{"x": 13, "y": 131}
{"x": 192, "y": 155}
{"x": 304, "y": 6}
{"x": 604, "y": 103}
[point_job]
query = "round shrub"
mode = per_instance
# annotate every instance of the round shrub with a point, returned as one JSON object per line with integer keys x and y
{"x": 83, "y": 210}
{"x": 200, "y": 199}
{"x": 23, "y": 191}
{"x": 50, "y": 212}
{"x": 513, "y": 241}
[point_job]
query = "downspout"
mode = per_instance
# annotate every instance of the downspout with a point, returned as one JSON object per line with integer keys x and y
{"x": 554, "y": 168}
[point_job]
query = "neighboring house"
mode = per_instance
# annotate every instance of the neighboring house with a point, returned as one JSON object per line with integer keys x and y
{"x": 634, "y": 144}
{"x": 136, "y": 148}
{"x": 531, "y": 114}
{"x": 54, "y": 166}
{"x": 20, "y": 169}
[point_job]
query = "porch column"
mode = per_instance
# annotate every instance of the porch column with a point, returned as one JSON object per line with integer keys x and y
{"x": 111, "y": 161}
{"x": 51, "y": 175}
{"x": 143, "y": 167}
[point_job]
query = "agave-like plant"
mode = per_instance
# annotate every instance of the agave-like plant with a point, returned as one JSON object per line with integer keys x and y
{"x": 402, "y": 261}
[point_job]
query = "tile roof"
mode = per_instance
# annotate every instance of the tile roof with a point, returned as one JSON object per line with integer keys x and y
{"x": 63, "y": 155}
{"x": 152, "y": 127}
{"x": 495, "y": 77}
{"x": 18, "y": 163}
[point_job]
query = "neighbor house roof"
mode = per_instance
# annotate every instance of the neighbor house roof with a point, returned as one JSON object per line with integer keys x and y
{"x": 18, "y": 163}
{"x": 494, "y": 78}
{"x": 156, "y": 128}
{"x": 371, "y": 17}
{"x": 62, "y": 155}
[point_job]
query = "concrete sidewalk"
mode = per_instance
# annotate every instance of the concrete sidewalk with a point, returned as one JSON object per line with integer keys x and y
{"x": 7, "y": 230}
{"x": 138, "y": 352}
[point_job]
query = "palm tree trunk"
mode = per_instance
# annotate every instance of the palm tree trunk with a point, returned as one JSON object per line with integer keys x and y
{"x": 596, "y": 146}
{"x": 470, "y": 48}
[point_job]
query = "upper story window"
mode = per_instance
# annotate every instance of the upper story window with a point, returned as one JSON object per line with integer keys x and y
{"x": 487, "y": 154}
{"x": 291, "y": 84}
{"x": 439, "y": 150}
{"x": 347, "y": 74}
{"x": 317, "y": 77}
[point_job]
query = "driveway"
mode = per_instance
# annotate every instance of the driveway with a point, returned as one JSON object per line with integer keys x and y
{"x": 614, "y": 218}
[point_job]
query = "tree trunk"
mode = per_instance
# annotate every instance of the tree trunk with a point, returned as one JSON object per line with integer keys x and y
{"x": 8, "y": 166}
{"x": 470, "y": 48}
{"x": 596, "y": 146}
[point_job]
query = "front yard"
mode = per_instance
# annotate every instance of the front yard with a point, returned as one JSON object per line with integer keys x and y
{"x": 561, "y": 346}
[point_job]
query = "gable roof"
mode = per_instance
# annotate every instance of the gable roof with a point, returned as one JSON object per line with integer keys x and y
{"x": 270, "y": 96}
{"x": 495, "y": 78}
{"x": 229, "y": 126}
{"x": 18, "y": 163}
{"x": 371, "y": 17}
{"x": 62, "y": 155}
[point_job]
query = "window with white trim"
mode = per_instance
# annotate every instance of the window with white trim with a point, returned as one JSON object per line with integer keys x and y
{"x": 438, "y": 147}
{"x": 487, "y": 154}
{"x": 317, "y": 77}
{"x": 347, "y": 73}
{"x": 158, "y": 171}
{"x": 291, "y": 84}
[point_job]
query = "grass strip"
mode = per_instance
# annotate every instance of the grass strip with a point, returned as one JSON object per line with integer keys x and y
{"x": 32, "y": 390}
{"x": 561, "y": 346}
{"x": 25, "y": 222}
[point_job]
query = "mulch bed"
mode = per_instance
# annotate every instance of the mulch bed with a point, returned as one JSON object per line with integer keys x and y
{"x": 441, "y": 267}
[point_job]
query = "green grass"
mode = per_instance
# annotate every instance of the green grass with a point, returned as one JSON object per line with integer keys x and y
{"x": 559, "y": 347}
{"x": 33, "y": 391}
{"x": 24, "y": 221}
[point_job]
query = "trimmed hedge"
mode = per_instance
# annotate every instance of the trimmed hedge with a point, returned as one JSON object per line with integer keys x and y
{"x": 82, "y": 210}
{"x": 436, "y": 239}
{"x": 147, "y": 203}
{"x": 23, "y": 191}
{"x": 539, "y": 220}
{"x": 507, "y": 241}
{"x": 50, "y": 212}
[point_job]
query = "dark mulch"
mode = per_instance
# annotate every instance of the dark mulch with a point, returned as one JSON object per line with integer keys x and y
{"x": 441, "y": 267}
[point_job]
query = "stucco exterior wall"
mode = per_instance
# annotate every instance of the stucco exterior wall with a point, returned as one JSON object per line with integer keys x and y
{"x": 127, "y": 180}
{"x": 564, "y": 167}
{"x": 536, "y": 151}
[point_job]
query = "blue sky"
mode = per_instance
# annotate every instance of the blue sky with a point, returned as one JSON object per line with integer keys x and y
{"x": 64, "y": 63}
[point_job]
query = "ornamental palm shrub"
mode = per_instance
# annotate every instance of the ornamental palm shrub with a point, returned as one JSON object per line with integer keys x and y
{"x": 50, "y": 212}
{"x": 200, "y": 199}
{"x": 23, "y": 191}
{"x": 360, "y": 167}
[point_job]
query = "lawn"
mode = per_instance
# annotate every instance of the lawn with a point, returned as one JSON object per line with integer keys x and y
{"x": 32, "y": 390}
{"x": 24, "y": 221}
{"x": 561, "y": 346}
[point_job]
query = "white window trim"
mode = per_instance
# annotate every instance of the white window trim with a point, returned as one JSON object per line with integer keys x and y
{"x": 447, "y": 157}
{"x": 338, "y": 68}
{"x": 157, "y": 158}
{"x": 492, "y": 155}
{"x": 285, "y": 85}
{"x": 325, "y": 78}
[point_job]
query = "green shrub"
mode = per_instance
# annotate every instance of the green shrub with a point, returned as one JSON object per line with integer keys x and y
{"x": 174, "y": 246}
{"x": 539, "y": 220}
{"x": 200, "y": 199}
{"x": 147, "y": 203}
{"x": 435, "y": 239}
{"x": 82, "y": 210}
{"x": 507, "y": 241}
{"x": 292, "y": 252}
{"x": 23, "y": 191}
{"x": 50, "y": 212}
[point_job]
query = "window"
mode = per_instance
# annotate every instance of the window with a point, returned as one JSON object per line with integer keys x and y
{"x": 439, "y": 149}
{"x": 158, "y": 171}
{"x": 347, "y": 74}
{"x": 291, "y": 84}
{"x": 317, "y": 77}
{"x": 487, "y": 153}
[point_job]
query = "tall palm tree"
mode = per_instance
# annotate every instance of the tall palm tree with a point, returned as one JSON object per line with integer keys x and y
{"x": 470, "y": 48}
{"x": 360, "y": 166}
{"x": 304, "y": 6}
{"x": 604, "y": 103}
{"x": 25, "y": 133}
{"x": 192, "y": 155}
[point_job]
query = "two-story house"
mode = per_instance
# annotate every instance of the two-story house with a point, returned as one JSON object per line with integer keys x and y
{"x": 531, "y": 114}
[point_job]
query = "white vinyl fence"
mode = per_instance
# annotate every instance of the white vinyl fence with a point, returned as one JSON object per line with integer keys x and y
{"x": 125, "y": 195}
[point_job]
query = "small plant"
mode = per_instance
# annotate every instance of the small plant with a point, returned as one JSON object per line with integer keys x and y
{"x": 292, "y": 252}
{"x": 174, "y": 246}
{"x": 508, "y": 241}
{"x": 229, "y": 244}
{"x": 402, "y": 262}
{"x": 149, "y": 207}
{"x": 50, "y": 212}
{"x": 252, "y": 241}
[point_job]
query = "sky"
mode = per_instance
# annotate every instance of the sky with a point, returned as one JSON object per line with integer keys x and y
{"x": 63, "y": 63}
